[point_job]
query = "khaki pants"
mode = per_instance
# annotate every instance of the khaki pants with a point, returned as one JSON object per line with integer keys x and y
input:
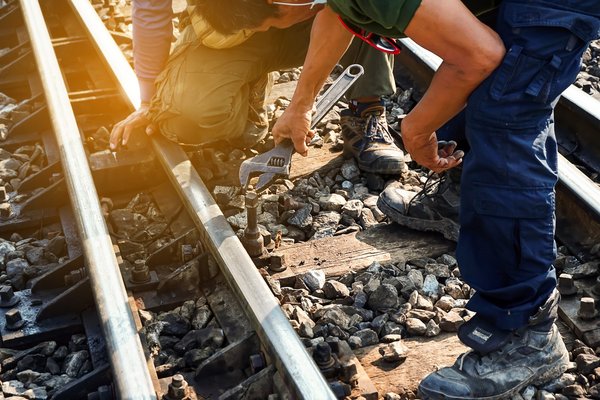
{"x": 206, "y": 95}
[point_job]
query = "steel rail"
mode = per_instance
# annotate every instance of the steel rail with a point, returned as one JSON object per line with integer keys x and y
{"x": 283, "y": 345}
{"x": 577, "y": 183}
{"x": 125, "y": 352}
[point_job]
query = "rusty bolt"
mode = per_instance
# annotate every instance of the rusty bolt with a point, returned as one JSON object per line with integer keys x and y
{"x": 3, "y": 194}
{"x": 278, "y": 263}
{"x": 177, "y": 388}
{"x": 187, "y": 252}
{"x": 257, "y": 363}
{"x": 322, "y": 355}
{"x": 140, "y": 272}
{"x": 349, "y": 373}
{"x": 252, "y": 239}
{"x": 587, "y": 308}
{"x": 5, "y": 210}
{"x": 340, "y": 389}
{"x": 566, "y": 286}
{"x": 7, "y": 296}
{"x": 13, "y": 320}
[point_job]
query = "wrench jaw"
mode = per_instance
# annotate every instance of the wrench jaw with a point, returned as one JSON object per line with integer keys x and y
{"x": 268, "y": 166}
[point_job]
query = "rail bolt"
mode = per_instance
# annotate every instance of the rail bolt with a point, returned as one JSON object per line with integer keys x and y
{"x": 13, "y": 320}
{"x": 566, "y": 285}
{"x": 140, "y": 272}
{"x": 325, "y": 361}
{"x": 278, "y": 263}
{"x": 7, "y": 297}
{"x": 349, "y": 373}
{"x": 257, "y": 363}
{"x": 177, "y": 388}
{"x": 253, "y": 241}
{"x": 340, "y": 389}
{"x": 587, "y": 308}
{"x": 5, "y": 210}
{"x": 187, "y": 252}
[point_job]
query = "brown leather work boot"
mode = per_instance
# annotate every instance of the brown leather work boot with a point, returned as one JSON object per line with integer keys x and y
{"x": 368, "y": 140}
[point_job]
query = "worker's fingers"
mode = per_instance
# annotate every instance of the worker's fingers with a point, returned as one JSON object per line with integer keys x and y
{"x": 300, "y": 144}
{"x": 126, "y": 134}
{"x": 115, "y": 136}
{"x": 446, "y": 149}
{"x": 445, "y": 163}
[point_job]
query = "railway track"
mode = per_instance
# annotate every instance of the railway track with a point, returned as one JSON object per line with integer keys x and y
{"x": 173, "y": 252}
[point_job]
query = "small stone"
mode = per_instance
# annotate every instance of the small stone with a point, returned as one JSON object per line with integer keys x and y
{"x": 528, "y": 393}
{"x": 384, "y": 297}
{"x": 353, "y": 209}
{"x": 301, "y": 218}
{"x": 349, "y": 170}
{"x": 332, "y": 202}
{"x": 73, "y": 363}
{"x": 451, "y": 321}
{"x": 586, "y": 363}
{"x": 544, "y": 395}
{"x": 314, "y": 279}
{"x": 574, "y": 391}
{"x": 13, "y": 388}
{"x": 392, "y": 396}
{"x": 445, "y": 303}
{"x": 431, "y": 286}
{"x": 334, "y": 289}
{"x": 367, "y": 219}
{"x": 395, "y": 352}
{"x": 174, "y": 324}
{"x": 433, "y": 329}
{"x": 368, "y": 337}
{"x": 415, "y": 326}
{"x": 440, "y": 271}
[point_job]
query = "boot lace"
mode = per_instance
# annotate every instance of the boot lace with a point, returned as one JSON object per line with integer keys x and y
{"x": 485, "y": 358}
{"x": 434, "y": 186}
{"x": 376, "y": 130}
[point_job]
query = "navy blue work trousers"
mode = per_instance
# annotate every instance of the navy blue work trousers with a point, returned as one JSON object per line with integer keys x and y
{"x": 506, "y": 246}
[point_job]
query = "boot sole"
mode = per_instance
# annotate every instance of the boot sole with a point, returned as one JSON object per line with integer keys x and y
{"x": 448, "y": 228}
{"x": 551, "y": 373}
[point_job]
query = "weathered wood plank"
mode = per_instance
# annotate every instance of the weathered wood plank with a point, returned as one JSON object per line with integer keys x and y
{"x": 425, "y": 355}
{"x": 340, "y": 254}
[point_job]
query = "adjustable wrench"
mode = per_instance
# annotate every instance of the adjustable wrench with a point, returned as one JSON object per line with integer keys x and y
{"x": 276, "y": 162}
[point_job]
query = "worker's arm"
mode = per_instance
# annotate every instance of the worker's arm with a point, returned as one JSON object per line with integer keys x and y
{"x": 152, "y": 33}
{"x": 328, "y": 42}
{"x": 470, "y": 50}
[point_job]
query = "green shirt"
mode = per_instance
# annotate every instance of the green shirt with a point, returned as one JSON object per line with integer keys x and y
{"x": 391, "y": 17}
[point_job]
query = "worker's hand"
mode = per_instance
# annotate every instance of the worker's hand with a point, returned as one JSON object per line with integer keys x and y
{"x": 426, "y": 150}
{"x": 122, "y": 130}
{"x": 294, "y": 124}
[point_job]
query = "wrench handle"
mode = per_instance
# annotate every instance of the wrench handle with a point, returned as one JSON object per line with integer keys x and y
{"x": 335, "y": 92}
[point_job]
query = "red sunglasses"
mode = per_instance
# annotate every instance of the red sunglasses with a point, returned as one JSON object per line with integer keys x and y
{"x": 384, "y": 44}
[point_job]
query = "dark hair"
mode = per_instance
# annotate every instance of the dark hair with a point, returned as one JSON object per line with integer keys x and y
{"x": 229, "y": 16}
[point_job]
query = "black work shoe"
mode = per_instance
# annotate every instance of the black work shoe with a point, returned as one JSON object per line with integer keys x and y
{"x": 529, "y": 357}
{"x": 433, "y": 209}
{"x": 367, "y": 139}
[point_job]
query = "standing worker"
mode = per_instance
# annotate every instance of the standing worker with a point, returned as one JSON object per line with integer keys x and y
{"x": 213, "y": 86}
{"x": 507, "y": 77}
